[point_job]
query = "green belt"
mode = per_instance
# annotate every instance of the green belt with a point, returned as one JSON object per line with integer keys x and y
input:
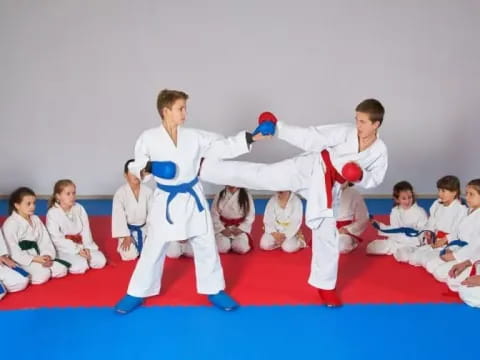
{"x": 29, "y": 244}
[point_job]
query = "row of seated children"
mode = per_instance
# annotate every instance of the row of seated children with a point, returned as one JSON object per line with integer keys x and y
{"x": 446, "y": 244}
{"x": 31, "y": 252}
{"x": 233, "y": 214}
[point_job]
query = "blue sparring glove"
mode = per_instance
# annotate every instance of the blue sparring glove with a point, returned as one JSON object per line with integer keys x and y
{"x": 164, "y": 169}
{"x": 265, "y": 128}
{"x": 267, "y": 123}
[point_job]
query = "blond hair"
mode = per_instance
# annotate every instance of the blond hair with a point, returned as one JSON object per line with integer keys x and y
{"x": 57, "y": 189}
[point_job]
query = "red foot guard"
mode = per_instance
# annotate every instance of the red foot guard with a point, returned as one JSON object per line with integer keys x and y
{"x": 330, "y": 298}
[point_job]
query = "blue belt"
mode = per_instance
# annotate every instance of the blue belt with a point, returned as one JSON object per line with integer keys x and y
{"x": 459, "y": 243}
{"x": 138, "y": 230}
{"x": 21, "y": 271}
{"x": 184, "y": 188}
{"x": 410, "y": 232}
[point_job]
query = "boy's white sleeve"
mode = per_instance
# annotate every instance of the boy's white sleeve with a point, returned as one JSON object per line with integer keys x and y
{"x": 142, "y": 156}
{"x": 374, "y": 173}
{"x": 220, "y": 147}
{"x": 313, "y": 138}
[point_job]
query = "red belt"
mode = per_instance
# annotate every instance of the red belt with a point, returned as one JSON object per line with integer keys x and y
{"x": 331, "y": 176}
{"x": 77, "y": 238}
{"x": 232, "y": 222}
{"x": 440, "y": 234}
{"x": 473, "y": 272}
{"x": 341, "y": 224}
{"x": 235, "y": 222}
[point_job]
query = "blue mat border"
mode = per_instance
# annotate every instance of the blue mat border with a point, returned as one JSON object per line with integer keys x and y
{"x": 102, "y": 207}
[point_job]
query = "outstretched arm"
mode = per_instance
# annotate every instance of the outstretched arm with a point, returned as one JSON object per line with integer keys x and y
{"x": 219, "y": 147}
{"x": 313, "y": 138}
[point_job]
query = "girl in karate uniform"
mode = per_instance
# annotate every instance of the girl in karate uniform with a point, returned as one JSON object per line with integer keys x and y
{"x": 129, "y": 215}
{"x": 12, "y": 277}
{"x": 468, "y": 246}
{"x": 469, "y": 290}
{"x": 28, "y": 239}
{"x": 405, "y": 213}
{"x": 352, "y": 219}
{"x": 282, "y": 220}
{"x": 233, "y": 213}
{"x": 445, "y": 216}
{"x": 67, "y": 222}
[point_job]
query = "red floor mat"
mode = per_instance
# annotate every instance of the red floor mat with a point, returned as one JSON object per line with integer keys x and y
{"x": 258, "y": 278}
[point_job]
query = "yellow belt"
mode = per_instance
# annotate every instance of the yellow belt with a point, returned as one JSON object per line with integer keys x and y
{"x": 286, "y": 223}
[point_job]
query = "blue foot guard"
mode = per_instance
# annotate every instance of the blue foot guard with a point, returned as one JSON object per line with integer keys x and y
{"x": 127, "y": 304}
{"x": 223, "y": 301}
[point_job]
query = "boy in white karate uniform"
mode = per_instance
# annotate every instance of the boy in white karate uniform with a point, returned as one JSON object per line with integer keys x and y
{"x": 282, "y": 221}
{"x": 352, "y": 219}
{"x": 12, "y": 277}
{"x": 129, "y": 215}
{"x": 316, "y": 175}
{"x": 179, "y": 210}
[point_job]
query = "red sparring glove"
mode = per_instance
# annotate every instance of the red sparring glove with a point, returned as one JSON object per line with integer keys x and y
{"x": 267, "y": 116}
{"x": 352, "y": 172}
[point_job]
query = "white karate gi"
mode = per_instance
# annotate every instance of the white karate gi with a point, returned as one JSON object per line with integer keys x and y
{"x": 10, "y": 278}
{"x": 414, "y": 217}
{"x": 442, "y": 218}
{"x": 17, "y": 229}
{"x": 352, "y": 208}
{"x": 127, "y": 210}
{"x": 287, "y": 221}
{"x": 469, "y": 295}
{"x": 305, "y": 174}
{"x": 75, "y": 222}
{"x": 229, "y": 208}
{"x": 188, "y": 221}
{"x": 469, "y": 231}
{"x": 176, "y": 249}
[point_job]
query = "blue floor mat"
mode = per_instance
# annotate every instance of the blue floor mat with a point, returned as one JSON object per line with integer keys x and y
{"x": 253, "y": 332}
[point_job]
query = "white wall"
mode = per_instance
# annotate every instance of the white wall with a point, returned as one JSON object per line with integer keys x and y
{"x": 79, "y": 79}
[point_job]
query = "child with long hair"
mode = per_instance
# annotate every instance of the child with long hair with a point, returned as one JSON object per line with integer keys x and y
{"x": 233, "y": 213}
{"x": 67, "y": 222}
{"x": 28, "y": 239}
{"x": 405, "y": 214}
{"x": 467, "y": 246}
{"x": 445, "y": 216}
